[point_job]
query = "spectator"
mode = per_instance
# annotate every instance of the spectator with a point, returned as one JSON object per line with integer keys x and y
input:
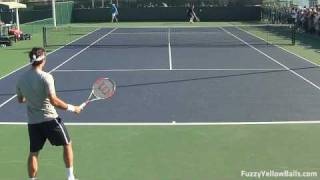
{"x": 305, "y": 19}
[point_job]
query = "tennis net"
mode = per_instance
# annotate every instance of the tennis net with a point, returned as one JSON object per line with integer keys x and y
{"x": 235, "y": 35}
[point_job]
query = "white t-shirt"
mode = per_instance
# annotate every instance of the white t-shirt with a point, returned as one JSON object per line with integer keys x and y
{"x": 35, "y": 86}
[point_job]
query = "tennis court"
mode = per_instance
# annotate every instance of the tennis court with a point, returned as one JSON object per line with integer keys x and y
{"x": 197, "y": 77}
{"x": 194, "y": 75}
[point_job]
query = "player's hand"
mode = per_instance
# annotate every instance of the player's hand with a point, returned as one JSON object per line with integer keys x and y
{"x": 77, "y": 109}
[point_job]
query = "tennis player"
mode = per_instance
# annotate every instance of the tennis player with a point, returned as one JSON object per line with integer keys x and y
{"x": 114, "y": 12}
{"x": 191, "y": 15}
{"x": 36, "y": 88}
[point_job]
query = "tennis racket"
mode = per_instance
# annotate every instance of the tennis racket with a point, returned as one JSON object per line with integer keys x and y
{"x": 102, "y": 88}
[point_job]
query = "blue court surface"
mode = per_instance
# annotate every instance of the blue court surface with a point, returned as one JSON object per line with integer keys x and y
{"x": 178, "y": 74}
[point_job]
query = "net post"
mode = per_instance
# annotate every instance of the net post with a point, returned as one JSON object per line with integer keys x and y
{"x": 268, "y": 35}
{"x": 293, "y": 34}
{"x": 44, "y": 34}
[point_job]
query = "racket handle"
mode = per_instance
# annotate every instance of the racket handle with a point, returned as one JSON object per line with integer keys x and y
{"x": 83, "y": 105}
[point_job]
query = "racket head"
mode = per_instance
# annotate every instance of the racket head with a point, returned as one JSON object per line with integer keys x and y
{"x": 103, "y": 88}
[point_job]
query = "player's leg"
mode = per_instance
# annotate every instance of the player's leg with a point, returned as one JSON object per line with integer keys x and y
{"x": 112, "y": 18}
{"x": 68, "y": 160}
{"x": 68, "y": 155}
{"x": 191, "y": 19}
{"x": 37, "y": 140}
{"x": 197, "y": 18}
{"x": 33, "y": 164}
{"x": 58, "y": 135}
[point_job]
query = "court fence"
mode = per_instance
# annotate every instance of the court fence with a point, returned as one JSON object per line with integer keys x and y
{"x": 92, "y": 4}
{"x": 69, "y": 12}
{"x": 168, "y": 14}
{"x": 25, "y": 15}
{"x": 64, "y": 12}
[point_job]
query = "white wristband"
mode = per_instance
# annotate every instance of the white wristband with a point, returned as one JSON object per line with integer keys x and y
{"x": 71, "y": 108}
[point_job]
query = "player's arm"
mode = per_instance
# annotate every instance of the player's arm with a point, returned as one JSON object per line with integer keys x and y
{"x": 58, "y": 103}
{"x": 20, "y": 97}
{"x": 55, "y": 100}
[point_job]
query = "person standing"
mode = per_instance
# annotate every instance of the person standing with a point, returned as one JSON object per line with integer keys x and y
{"x": 114, "y": 12}
{"x": 36, "y": 88}
{"x": 191, "y": 15}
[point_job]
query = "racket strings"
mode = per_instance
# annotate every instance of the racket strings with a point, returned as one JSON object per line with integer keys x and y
{"x": 103, "y": 88}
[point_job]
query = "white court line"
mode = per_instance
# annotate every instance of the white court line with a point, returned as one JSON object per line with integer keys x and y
{"x": 303, "y": 58}
{"x": 134, "y": 70}
{"x": 108, "y": 70}
{"x": 168, "y": 26}
{"x": 229, "y": 69}
{"x": 75, "y": 55}
{"x": 163, "y": 32}
{"x": 179, "y": 123}
{"x": 141, "y": 33}
{"x": 69, "y": 59}
{"x": 169, "y": 49}
{"x": 274, "y": 60}
{"x": 150, "y": 27}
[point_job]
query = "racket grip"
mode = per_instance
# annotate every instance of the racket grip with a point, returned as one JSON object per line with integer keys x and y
{"x": 83, "y": 105}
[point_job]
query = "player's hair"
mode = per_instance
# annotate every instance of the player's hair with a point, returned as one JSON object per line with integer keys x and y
{"x": 37, "y": 52}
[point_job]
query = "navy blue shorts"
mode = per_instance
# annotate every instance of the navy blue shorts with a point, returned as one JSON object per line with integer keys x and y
{"x": 53, "y": 130}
